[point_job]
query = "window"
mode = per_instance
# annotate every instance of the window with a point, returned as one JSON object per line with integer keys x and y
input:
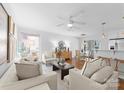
{"x": 29, "y": 45}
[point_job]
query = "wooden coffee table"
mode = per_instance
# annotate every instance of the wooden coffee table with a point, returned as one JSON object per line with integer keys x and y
{"x": 64, "y": 69}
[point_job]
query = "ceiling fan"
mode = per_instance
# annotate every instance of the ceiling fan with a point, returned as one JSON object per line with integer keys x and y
{"x": 70, "y": 23}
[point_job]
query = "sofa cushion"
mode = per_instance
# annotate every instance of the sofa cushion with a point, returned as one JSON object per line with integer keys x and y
{"x": 66, "y": 79}
{"x": 102, "y": 75}
{"x": 43, "y": 86}
{"x": 90, "y": 68}
{"x": 27, "y": 70}
{"x": 25, "y": 84}
{"x": 32, "y": 62}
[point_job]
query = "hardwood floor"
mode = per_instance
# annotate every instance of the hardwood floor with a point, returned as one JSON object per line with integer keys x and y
{"x": 77, "y": 63}
{"x": 121, "y": 84}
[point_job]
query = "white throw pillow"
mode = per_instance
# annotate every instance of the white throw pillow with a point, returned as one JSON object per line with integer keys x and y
{"x": 27, "y": 70}
{"x": 102, "y": 75}
{"x": 90, "y": 68}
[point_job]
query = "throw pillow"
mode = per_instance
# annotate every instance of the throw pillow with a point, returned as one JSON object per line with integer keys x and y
{"x": 90, "y": 68}
{"x": 102, "y": 75}
{"x": 26, "y": 70}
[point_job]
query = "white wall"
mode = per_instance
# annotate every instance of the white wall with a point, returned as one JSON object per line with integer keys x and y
{"x": 48, "y": 40}
{"x": 105, "y": 43}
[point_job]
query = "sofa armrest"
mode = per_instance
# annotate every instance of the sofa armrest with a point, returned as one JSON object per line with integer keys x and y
{"x": 80, "y": 82}
{"x": 112, "y": 83}
{"x": 52, "y": 79}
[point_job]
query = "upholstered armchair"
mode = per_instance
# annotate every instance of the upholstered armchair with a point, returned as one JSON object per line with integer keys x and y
{"x": 33, "y": 57}
{"x": 49, "y": 57}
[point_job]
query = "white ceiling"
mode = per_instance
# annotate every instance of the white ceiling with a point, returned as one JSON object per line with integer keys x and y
{"x": 44, "y": 17}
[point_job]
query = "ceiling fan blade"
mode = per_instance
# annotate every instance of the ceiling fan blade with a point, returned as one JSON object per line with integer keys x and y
{"x": 73, "y": 28}
{"x": 60, "y": 24}
{"x": 81, "y": 23}
{"x": 61, "y": 18}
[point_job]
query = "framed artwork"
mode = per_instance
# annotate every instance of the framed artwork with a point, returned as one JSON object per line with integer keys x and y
{"x": 11, "y": 39}
{"x": 11, "y": 26}
{"x": 4, "y": 40}
{"x": 97, "y": 43}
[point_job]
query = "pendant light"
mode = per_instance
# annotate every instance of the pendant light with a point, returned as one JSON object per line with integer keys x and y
{"x": 103, "y": 33}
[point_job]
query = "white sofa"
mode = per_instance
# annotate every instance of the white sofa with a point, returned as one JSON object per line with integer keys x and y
{"x": 49, "y": 57}
{"x": 76, "y": 81}
{"x": 9, "y": 81}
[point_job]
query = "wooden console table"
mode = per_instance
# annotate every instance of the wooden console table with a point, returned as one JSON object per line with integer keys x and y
{"x": 67, "y": 55}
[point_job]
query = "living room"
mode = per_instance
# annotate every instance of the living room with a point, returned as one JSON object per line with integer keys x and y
{"x": 77, "y": 48}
